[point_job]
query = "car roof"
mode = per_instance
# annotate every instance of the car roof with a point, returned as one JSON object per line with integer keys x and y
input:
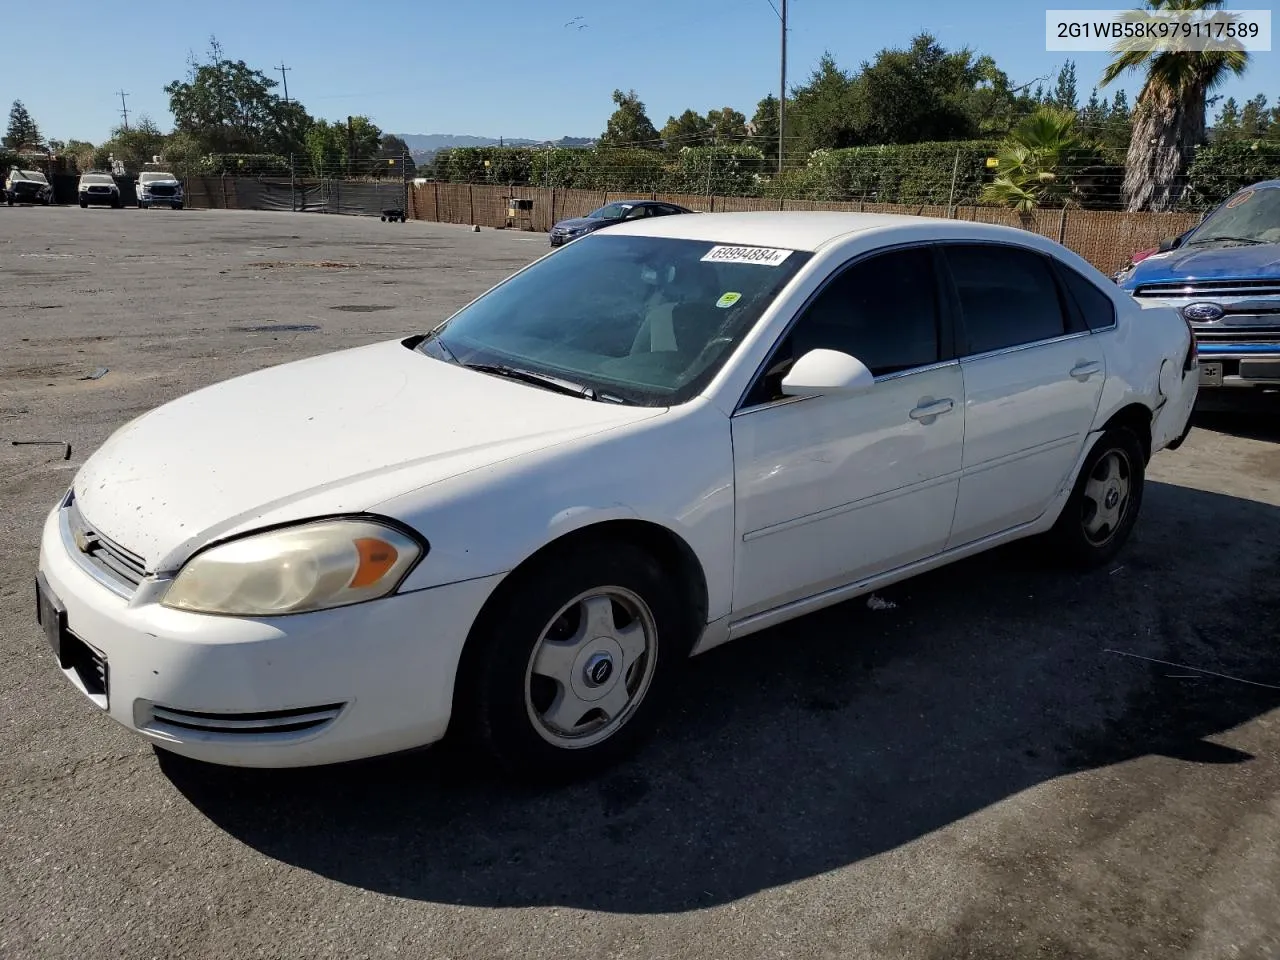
{"x": 810, "y": 230}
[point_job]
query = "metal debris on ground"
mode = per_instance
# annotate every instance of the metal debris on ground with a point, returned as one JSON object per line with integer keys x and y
{"x": 1183, "y": 666}
{"x": 96, "y": 375}
{"x": 879, "y": 603}
{"x": 66, "y": 454}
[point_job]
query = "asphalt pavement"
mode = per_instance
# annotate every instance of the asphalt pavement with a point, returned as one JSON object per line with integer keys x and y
{"x": 985, "y": 769}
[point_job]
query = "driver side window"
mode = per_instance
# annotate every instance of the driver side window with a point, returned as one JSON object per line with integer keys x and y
{"x": 882, "y": 310}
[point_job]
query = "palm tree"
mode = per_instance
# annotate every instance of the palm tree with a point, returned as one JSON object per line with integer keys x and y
{"x": 1036, "y": 161}
{"x": 1169, "y": 119}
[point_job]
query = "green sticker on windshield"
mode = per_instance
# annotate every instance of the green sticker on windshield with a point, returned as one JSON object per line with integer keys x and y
{"x": 728, "y": 300}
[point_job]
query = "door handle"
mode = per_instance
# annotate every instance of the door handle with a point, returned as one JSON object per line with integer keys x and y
{"x": 1084, "y": 370}
{"x": 932, "y": 408}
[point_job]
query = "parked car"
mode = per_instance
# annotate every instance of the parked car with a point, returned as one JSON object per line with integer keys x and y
{"x": 27, "y": 186}
{"x": 99, "y": 188}
{"x": 658, "y": 439}
{"x": 1223, "y": 276}
{"x": 157, "y": 188}
{"x": 1140, "y": 255}
{"x": 610, "y": 214}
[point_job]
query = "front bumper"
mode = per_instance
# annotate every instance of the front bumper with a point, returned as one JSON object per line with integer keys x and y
{"x": 302, "y": 690}
{"x": 30, "y": 195}
{"x": 149, "y": 200}
{"x": 1226, "y": 364}
{"x": 108, "y": 198}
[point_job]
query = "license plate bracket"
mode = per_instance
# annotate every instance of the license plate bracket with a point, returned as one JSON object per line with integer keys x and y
{"x": 52, "y": 617}
{"x": 1210, "y": 374}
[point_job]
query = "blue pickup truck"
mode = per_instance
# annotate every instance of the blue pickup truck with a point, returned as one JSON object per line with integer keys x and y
{"x": 1224, "y": 276}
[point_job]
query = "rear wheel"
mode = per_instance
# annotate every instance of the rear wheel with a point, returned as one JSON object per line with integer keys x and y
{"x": 569, "y": 672}
{"x": 1104, "y": 504}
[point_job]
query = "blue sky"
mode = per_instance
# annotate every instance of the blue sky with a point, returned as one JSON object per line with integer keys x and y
{"x": 509, "y": 67}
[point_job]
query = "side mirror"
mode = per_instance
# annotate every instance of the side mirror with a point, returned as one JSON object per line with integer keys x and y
{"x": 1169, "y": 243}
{"x": 827, "y": 372}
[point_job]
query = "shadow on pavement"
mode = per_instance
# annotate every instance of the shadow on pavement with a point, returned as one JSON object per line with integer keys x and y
{"x": 1249, "y": 414}
{"x": 826, "y": 741}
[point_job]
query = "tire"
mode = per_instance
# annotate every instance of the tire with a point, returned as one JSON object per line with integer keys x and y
{"x": 84, "y": 204}
{"x": 1104, "y": 505}
{"x": 531, "y": 660}
{"x": 177, "y": 206}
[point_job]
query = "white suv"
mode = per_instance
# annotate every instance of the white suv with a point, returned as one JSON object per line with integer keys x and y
{"x": 159, "y": 188}
{"x": 98, "y": 188}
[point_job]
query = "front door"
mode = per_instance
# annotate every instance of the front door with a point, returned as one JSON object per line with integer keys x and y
{"x": 1033, "y": 378}
{"x": 832, "y": 489}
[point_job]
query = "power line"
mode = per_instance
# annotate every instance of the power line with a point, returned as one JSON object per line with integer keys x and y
{"x": 284, "y": 76}
{"x": 124, "y": 109}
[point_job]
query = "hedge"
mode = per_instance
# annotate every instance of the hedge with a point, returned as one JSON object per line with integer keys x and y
{"x": 1220, "y": 169}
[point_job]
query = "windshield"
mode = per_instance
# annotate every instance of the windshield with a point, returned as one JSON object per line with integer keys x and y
{"x": 96, "y": 178}
{"x": 152, "y": 177}
{"x": 614, "y": 211}
{"x": 1253, "y": 214}
{"x": 35, "y": 175}
{"x": 641, "y": 320}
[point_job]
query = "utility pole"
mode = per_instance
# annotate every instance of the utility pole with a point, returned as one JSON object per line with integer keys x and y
{"x": 782, "y": 90}
{"x": 283, "y": 75}
{"x": 124, "y": 109}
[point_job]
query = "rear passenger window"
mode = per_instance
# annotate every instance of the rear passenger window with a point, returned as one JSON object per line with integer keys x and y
{"x": 1008, "y": 296}
{"x": 1095, "y": 306}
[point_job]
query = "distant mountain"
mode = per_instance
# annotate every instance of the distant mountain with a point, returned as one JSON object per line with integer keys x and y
{"x": 430, "y": 143}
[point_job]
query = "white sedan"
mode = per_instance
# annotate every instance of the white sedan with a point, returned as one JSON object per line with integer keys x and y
{"x": 518, "y": 526}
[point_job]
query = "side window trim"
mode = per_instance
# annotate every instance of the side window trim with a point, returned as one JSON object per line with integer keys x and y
{"x": 947, "y": 334}
{"x": 1065, "y": 306}
{"x": 1062, "y": 271}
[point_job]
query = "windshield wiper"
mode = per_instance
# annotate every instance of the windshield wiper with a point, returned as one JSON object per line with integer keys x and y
{"x": 1192, "y": 243}
{"x": 537, "y": 379}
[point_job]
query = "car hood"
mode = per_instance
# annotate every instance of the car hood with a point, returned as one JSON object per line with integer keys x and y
{"x": 574, "y": 222}
{"x": 1243, "y": 262}
{"x": 332, "y": 434}
{"x": 160, "y": 183}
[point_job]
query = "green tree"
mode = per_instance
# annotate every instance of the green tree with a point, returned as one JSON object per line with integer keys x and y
{"x": 764, "y": 127}
{"x": 1117, "y": 129}
{"x": 1255, "y": 118}
{"x": 1093, "y": 114}
{"x": 1169, "y": 119}
{"x": 629, "y": 125}
{"x": 825, "y": 110}
{"x": 22, "y": 130}
{"x": 1064, "y": 90}
{"x": 918, "y": 94}
{"x": 334, "y": 147}
{"x": 229, "y": 107}
{"x": 1037, "y": 161}
{"x": 1227, "y": 126}
{"x": 727, "y": 126}
{"x": 690, "y": 129}
{"x": 138, "y": 144}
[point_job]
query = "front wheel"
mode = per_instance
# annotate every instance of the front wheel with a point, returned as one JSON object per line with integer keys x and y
{"x": 569, "y": 671}
{"x": 1104, "y": 504}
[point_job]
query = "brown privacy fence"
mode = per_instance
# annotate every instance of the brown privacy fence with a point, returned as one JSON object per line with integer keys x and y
{"x": 1103, "y": 237}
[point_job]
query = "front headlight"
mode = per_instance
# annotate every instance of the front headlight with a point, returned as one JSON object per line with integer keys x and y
{"x": 313, "y": 566}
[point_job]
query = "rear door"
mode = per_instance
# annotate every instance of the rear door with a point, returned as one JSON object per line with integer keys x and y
{"x": 1033, "y": 377}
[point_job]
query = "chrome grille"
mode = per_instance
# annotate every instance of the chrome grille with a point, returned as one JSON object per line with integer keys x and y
{"x": 296, "y": 720}
{"x": 1269, "y": 334}
{"x": 161, "y": 190}
{"x": 105, "y": 555}
{"x": 1211, "y": 288}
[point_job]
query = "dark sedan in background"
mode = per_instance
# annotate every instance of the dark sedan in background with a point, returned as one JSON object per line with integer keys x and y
{"x": 611, "y": 213}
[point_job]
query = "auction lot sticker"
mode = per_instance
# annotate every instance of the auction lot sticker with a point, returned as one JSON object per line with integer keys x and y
{"x": 768, "y": 256}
